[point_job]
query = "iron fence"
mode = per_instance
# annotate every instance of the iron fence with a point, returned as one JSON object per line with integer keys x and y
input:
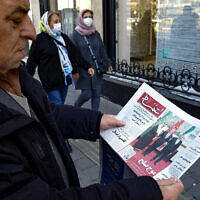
{"x": 178, "y": 80}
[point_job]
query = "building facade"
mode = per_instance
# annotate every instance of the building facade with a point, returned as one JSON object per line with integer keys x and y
{"x": 155, "y": 41}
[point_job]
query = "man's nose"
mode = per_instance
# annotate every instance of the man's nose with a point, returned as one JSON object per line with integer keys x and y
{"x": 28, "y": 30}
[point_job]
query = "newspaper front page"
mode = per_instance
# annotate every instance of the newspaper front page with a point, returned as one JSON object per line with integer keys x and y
{"x": 159, "y": 139}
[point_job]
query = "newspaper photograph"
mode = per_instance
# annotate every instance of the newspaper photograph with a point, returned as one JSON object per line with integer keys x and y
{"x": 159, "y": 139}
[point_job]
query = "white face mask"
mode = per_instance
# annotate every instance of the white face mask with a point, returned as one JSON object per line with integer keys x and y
{"x": 56, "y": 28}
{"x": 88, "y": 21}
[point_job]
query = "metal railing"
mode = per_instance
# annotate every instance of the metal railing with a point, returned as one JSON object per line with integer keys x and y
{"x": 178, "y": 80}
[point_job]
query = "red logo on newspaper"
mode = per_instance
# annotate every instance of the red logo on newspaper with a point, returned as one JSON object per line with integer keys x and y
{"x": 151, "y": 105}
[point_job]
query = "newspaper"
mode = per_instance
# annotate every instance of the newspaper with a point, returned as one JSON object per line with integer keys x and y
{"x": 159, "y": 139}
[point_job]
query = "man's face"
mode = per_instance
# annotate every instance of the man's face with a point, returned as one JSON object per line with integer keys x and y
{"x": 15, "y": 29}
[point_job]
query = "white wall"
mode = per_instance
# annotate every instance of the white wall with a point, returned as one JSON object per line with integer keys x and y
{"x": 98, "y": 15}
{"x": 35, "y": 14}
{"x": 123, "y": 30}
{"x": 65, "y": 4}
{"x": 83, "y": 4}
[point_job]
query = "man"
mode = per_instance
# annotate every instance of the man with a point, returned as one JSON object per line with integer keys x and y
{"x": 170, "y": 149}
{"x": 145, "y": 140}
{"x": 162, "y": 138}
{"x": 34, "y": 162}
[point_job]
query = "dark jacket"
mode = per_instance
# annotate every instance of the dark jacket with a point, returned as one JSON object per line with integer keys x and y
{"x": 162, "y": 138}
{"x": 44, "y": 54}
{"x": 28, "y": 169}
{"x": 171, "y": 146}
{"x": 85, "y": 81}
{"x": 145, "y": 140}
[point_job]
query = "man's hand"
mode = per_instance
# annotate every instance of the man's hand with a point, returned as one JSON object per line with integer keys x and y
{"x": 109, "y": 121}
{"x": 91, "y": 71}
{"x": 170, "y": 188}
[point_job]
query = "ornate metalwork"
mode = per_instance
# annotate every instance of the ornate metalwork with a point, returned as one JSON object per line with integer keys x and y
{"x": 182, "y": 80}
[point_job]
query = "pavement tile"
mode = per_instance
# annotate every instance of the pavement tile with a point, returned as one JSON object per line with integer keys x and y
{"x": 88, "y": 148}
{"x": 83, "y": 163}
{"x": 93, "y": 172}
{"x": 186, "y": 196}
{"x": 84, "y": 180}
{"x": 76, "y": 153}
{"x": 194, "y": 170}
{"x": 188, "y": 181}
{"x": 195, "y": 191}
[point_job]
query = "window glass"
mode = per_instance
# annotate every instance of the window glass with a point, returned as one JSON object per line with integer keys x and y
{"x": 161, "y": 32}
{"x": 179, "y": 36}
{"x": 140, "y": 30}
{"x": 69, "y": 13}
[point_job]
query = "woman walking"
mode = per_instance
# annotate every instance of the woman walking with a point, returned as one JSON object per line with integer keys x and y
{"x": 87, "y": 39}
{"x": 56, "y": 57}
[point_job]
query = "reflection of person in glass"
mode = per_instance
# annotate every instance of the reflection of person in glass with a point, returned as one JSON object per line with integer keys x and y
{"x": 169, "y": 150}
{"x": 184, "y": 39}
{"x": 143, "y": 36}
{"x": 185, "y": 25}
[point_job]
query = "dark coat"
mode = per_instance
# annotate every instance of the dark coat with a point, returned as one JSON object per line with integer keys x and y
{"x": 85, "y": 81}
{"x": 146, "y": 139}
{"x": 169, "y": 150}
{"x": 44, "y": 54}
{"x": 161, "y": 139}
{"x": 171, "y": 146}
{"x": 28, "y": 169}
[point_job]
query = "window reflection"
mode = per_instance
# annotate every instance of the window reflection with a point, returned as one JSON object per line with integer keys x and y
{"x": 142, "y": 24}
{"x": 179, "y": 36}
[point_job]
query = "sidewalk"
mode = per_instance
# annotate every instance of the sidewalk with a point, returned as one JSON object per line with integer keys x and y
{"x": 86, "y": 155}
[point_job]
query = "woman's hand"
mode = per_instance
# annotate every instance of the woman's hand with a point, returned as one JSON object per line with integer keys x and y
{"x": 110, "y": 69}
{"x": 91, "y": 71}
{"x": 76, "y": 76}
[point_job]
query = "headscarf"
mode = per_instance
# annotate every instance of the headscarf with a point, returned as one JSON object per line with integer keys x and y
{"x": 44, "y": 25}
{"x": 63, "y": 54}
{"x": 81, "y": 28}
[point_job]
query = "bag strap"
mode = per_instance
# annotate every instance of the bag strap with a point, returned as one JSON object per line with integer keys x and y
{"x": 91, "y": 53}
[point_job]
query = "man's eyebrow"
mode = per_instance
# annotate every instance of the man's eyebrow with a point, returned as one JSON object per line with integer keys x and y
{"x": 19, "y": 10}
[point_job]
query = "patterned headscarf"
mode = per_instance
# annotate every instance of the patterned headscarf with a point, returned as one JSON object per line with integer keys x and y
{"x": 81, "y": 28}
{"x": 44, "y": 25}
{"x": 63, "y": 54}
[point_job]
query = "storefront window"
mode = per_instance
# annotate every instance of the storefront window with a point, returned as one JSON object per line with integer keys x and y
{"x": 178, "y": 44}
{"x": 78, "y": 4}
{"x": 137, "y": 21}
{"x": 65, "y": 4}
{"x": 69, "y": 10}
{"x": 161, "y": 32}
